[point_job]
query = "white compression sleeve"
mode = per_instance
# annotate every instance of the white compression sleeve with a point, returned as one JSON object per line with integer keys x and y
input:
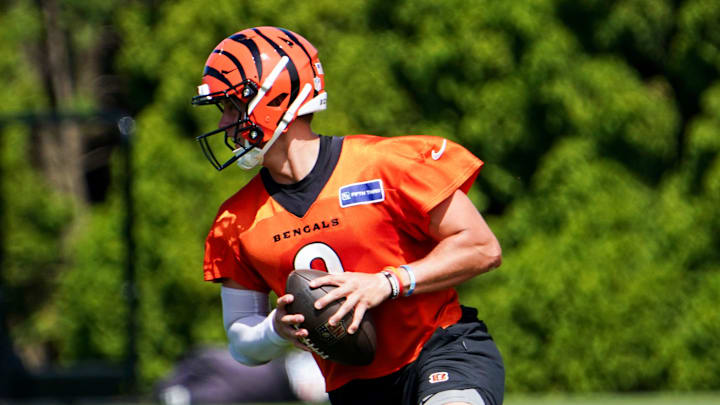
{"x": 249, "y": 328}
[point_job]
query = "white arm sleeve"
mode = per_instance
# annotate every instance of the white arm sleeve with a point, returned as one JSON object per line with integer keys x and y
{"x": 249, "y": 328}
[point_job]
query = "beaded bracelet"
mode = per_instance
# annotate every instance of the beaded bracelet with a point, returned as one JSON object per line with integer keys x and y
{"x": 394, "y": 285}
{"x": 396, "y": 272}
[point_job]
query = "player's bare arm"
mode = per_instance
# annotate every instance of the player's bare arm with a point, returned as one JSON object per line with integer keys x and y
{"x": 283, "y": 322}
{"x": 466, "y": 247}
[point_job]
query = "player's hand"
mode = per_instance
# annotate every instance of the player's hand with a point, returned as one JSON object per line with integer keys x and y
{"x": 288, "y": 325}
{"x": 361, "y": 291}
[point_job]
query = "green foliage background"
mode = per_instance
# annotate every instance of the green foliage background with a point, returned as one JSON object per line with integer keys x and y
{"x": 599, "y": 122}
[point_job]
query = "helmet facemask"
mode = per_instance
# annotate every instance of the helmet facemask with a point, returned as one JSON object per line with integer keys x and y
{"x": 239, "y": 136}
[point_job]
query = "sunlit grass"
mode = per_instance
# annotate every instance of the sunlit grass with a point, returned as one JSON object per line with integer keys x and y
{"x": 696, "y": 398}
{"x": 710, "y": 398}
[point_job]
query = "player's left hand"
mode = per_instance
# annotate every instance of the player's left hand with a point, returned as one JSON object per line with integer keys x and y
{"x": 361, "y": 291}
{"x": 287, "y": 325}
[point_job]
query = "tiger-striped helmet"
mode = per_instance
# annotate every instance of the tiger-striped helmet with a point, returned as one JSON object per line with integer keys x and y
{"x": 271, "y": 75}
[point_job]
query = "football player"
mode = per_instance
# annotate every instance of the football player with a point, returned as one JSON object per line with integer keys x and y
{"x": 387, "y": 218}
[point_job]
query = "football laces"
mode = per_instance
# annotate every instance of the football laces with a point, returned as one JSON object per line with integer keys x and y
{"x": 314, "y": 348}
{"x": 307, "y": 342}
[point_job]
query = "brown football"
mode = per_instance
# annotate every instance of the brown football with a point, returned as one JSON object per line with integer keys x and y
{"x": 329, "y": 342}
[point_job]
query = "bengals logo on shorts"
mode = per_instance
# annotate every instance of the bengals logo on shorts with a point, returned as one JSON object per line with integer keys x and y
{"x": 440, "y": 376}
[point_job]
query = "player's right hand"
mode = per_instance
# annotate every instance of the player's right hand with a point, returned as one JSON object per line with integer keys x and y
{"x": 288, "y": 325}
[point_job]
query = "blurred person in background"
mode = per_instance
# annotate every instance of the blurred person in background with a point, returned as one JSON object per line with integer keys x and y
{"x": 212, "y": 376}
{"x": 387, "y": 218}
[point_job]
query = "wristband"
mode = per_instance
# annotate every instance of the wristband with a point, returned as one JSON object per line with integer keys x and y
{"x": 392, "y": 279}
{"x": 396, "y": 272}
{"x": 411, "y": 275}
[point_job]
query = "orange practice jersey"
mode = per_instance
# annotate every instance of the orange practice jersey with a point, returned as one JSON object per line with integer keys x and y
{"x": 371, "y": 213}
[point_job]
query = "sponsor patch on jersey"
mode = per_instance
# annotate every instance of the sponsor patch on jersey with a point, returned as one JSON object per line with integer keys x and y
{"x": 367, "y": 192}
{"x": 440, "y": 376}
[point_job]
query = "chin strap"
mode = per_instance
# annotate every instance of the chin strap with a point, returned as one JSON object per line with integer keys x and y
{"x": 255, "y": 156}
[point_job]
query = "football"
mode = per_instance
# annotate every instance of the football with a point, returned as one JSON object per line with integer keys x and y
{"x": 329, "y": 342}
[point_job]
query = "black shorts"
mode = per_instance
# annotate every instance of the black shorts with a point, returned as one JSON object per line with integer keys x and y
{"x": 459, "y": 357}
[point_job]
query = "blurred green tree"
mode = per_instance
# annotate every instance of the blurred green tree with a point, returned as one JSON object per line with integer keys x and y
{"x": 598, "y": 122}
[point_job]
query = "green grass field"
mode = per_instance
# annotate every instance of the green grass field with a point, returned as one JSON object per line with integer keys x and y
{"x": 604, "y": 399}
{"x": 711, "y": 398}
{"x": 708, "y": 398}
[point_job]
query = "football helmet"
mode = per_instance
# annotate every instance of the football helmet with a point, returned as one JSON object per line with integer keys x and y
{"x": 271, "y": 76}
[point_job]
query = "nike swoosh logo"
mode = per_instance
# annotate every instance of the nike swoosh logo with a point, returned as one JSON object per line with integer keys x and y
{"x": 436, "y": 154}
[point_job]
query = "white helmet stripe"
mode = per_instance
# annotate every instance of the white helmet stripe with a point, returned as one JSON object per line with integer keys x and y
{"x": 268, "y": 83}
